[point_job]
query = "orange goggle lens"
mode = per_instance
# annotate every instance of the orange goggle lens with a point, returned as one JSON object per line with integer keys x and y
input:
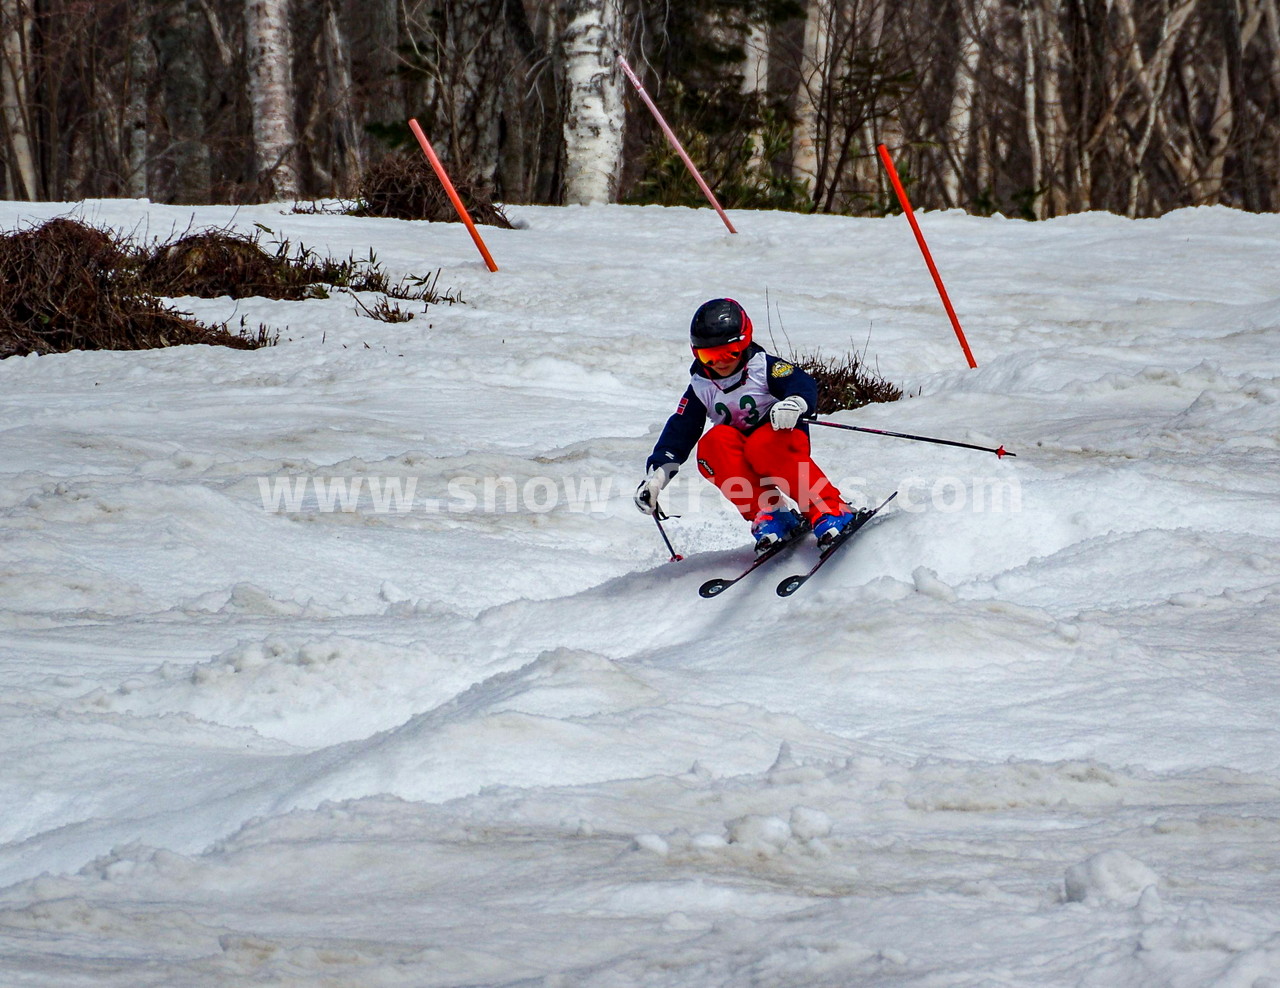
{"x": 726, "y": 351}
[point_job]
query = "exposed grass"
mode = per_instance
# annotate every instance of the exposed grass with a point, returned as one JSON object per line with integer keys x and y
{"x": 384, "y": 310}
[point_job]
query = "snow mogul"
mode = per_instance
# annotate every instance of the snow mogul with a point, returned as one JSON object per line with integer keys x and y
{"x": 757, "y": 453}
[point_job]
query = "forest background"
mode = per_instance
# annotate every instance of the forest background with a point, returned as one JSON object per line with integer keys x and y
{"x": 1030, "y": 108}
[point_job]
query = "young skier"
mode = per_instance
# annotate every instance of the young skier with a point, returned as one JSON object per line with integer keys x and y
{"x": 758, "y": 446}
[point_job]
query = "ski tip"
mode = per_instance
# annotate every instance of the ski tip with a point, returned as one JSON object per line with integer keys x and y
{"x": 713, "y": 588}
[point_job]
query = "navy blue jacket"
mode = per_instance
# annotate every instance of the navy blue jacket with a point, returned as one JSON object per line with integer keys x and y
{"x": 685, "y": 427}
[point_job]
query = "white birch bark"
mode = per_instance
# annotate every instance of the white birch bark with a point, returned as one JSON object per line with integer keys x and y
{"x": 1179, "y": 146}
{"x": 866, "y": 169}
{"x": 1220, "y": 126}
{"x": 961, "y": 118}
{"x": 15, "y": 48}
{"x": 1053, "y": 119}
{"x": 341, "y": 104}
{"x": 1030, "y": 45}
{"x": 225, "y": 53}
{"x": 268, "y": 52}
{"x": 755, "y": 68}
{"x": 813, "y": 80}
{"x": 1151, "y": 77}
{"x": 595, "y": 112}
{"x": 142, "y": 64}
{"x": 755, "y": 80}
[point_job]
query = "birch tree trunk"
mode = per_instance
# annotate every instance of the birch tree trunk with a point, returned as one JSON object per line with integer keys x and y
{"x": 19, "y": 177}
{"x": 755, "y": 81}
{"x": 142, "y": 67}
{"x": 1042, "y": 54}
{"x": 1030, "y": 45}
{"x": 595, "y": 113}
{"x": 961, "y": 121}
{"x": 866, "y": 170}
{"x": 1219, "y": 136}
{"x": 1053, "y": 119}
{"x": 348, "y": 159}
{"x": 475, "y": 99}
{"x": 461, "y": 64}
{"x": 813, "y": 83}
{"x": 269, "y": 54}
{"x": 1151, "y": 78}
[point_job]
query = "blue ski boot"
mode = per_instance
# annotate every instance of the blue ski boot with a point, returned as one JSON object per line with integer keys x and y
{"x": 772, "y": 527}
{"x": 828, "y": 528}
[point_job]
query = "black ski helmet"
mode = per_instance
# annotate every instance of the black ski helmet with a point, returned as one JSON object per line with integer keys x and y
{"x": 720, "y": 321}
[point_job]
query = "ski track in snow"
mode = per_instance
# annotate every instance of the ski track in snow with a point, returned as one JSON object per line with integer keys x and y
{"x": 1032, "y": 744}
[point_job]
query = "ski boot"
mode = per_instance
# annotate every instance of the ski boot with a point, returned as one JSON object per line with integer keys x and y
{"x": 828, "y": 528}
{"x": 772, "y": 527}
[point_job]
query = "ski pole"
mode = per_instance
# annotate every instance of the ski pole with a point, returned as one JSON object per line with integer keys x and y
{"x": 1000, "y": 451}
{"x": 658, "y": 516}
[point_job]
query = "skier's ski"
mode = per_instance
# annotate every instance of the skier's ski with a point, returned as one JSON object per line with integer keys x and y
{"x": 793, "y": 583}
{"x": 713, "y": 588}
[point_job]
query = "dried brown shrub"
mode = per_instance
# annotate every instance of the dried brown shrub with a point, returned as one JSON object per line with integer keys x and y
{"x": 67, "y": 286}
{"x": 404, "y": 187}
{"x": 845, "y": 381}
{"x": 213, "y": 263}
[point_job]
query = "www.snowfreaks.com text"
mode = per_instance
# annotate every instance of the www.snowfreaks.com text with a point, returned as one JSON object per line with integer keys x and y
{"x": 311, "y": 494}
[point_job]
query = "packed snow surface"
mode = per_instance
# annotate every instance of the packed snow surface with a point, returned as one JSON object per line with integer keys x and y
{"x": 350, "y": 662}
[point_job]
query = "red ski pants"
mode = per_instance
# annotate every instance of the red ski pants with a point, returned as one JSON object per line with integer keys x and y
{"x": 751, "y": 470}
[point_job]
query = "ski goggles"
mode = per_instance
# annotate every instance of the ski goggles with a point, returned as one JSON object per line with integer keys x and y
{"x": 725, "y": 351}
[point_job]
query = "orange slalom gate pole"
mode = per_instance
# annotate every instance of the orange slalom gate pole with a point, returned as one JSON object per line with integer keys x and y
{"x": 924, "y": 249}
{"x": 453, "y": 193}
{"x": 674, "y": 142}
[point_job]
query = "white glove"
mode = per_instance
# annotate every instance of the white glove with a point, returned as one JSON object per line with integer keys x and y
{"x": 786, "y": 413}
{"x": 651, "y": 486}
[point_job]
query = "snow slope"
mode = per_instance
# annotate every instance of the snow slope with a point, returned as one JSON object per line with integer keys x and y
{"x": 1023, "y": 732}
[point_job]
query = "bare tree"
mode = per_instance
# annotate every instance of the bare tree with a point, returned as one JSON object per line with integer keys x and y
{"x": 974, "y": 16}
{"x": 375, "y": 32}
{"x": 855, "y": 75}
{"x": 137, "y": 114}
{"x": 178, "y": 32}
{"x": 595, "y": 112}
{"x": 269, "y": 54}
{"x": 19, "y": 176}
{"x": 1029, "y": 107}
{"x": 816, "y": 72}
{"x": 331, "y": 134}
{"x": 460, "y": 57}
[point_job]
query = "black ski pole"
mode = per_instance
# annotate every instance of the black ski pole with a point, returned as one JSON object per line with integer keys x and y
{"x": 658, "y": 517}
{"x": 1000, "y": 451}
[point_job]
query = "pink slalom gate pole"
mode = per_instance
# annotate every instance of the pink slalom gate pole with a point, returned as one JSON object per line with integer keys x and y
{"x": 452, "y": 192}
{"x": 924, "y": 249}
{"x": 674, "y": 142}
